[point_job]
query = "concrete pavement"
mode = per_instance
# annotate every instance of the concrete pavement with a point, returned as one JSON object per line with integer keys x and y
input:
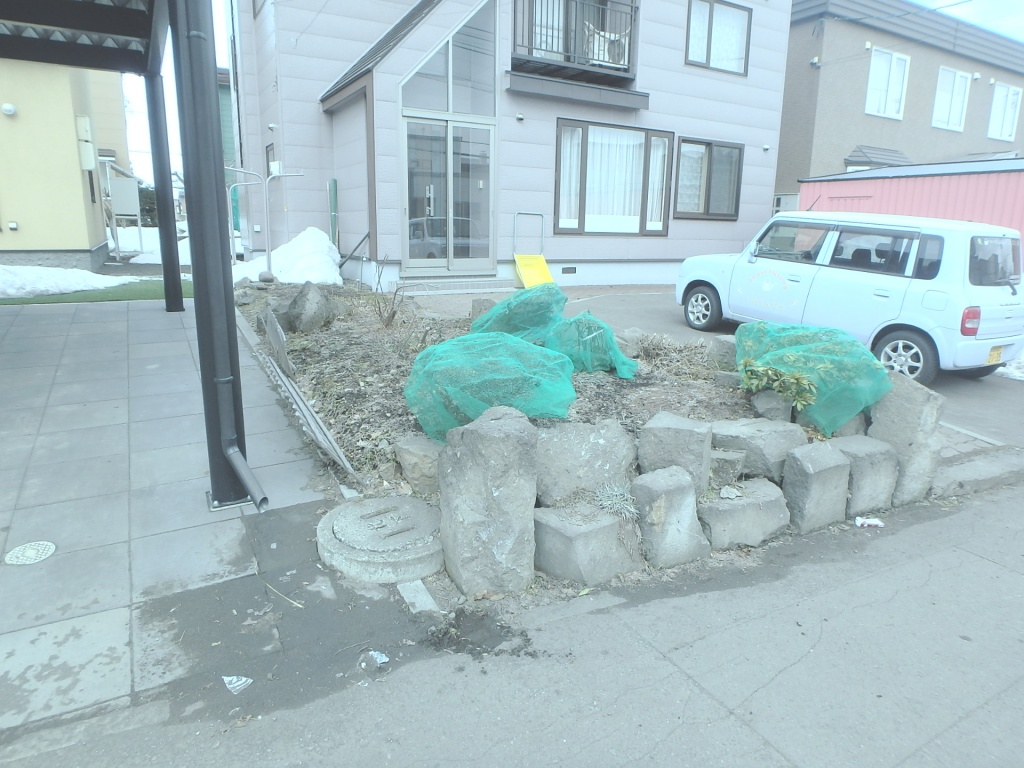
{"x": 857, "y": 647}
{"x": 898, "y": 646}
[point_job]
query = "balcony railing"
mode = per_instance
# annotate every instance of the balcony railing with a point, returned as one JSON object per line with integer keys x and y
{"x": 589, "y": 40}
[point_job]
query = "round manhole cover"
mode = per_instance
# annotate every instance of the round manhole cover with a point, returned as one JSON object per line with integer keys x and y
{"x": 383, "y": 540}
{"x": 30, "y": 553}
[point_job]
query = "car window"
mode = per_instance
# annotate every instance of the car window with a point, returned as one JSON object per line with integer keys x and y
{"x": 995, "y": 261}
{"x": 929, "y": 257}
{"x": 872, "y": 250}
{"x": 791, "y": 241}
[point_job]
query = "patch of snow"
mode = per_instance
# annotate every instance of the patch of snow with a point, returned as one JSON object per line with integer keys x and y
{"x": 23, "y": 282}
{"x": 1013, "y": 370}
{"x": 310, "y": 256}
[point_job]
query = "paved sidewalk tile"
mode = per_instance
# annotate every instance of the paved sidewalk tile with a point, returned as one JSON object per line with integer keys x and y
{"x": 63, "y": 586}
{"x": 190, "y": 558}
{"x": 64, "y": 666}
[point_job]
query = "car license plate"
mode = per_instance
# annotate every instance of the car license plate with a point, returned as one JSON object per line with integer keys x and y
{"x": 995, "y": 355}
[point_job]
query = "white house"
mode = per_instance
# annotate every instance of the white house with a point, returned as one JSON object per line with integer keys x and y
{"x": 442, "y": 137}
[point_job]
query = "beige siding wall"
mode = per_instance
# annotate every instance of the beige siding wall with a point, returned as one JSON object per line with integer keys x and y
{"x": 799, "y": 106}
{"x": 42, "y": 186}
{"x": 839, "y": 90}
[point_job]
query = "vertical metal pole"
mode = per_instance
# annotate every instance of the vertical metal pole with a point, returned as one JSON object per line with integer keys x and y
{"x": 156, "y": 109}
{"x": 198, "y": 107}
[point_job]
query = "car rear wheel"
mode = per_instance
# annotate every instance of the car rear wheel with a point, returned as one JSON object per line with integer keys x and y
{"x": 703, "y": 308}
{"x": 910, "y": 353}
{"x": 978, "y": 373}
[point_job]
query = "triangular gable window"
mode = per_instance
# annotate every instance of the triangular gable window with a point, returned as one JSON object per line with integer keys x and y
{"x": 459, "y": 77}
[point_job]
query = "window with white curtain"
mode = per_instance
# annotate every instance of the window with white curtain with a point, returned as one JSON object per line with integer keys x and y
{"x": 611, "y": 179}
{"x": 1002, "y": 123}
{"x": 887, "y": 84}
{"x": 718, "y": 36}
{"x": 951, "y": 99}
{"x": 708, "y": 180}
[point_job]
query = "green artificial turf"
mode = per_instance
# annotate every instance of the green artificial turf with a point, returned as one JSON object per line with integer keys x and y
{"x": 138, "y": 291}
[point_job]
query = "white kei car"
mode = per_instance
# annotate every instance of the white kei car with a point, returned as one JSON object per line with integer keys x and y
{"x": 922, "y": 294}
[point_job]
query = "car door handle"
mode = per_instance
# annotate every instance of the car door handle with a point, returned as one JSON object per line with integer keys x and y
{"x": 882, "y": 294}
{"x": 793, "y": 278}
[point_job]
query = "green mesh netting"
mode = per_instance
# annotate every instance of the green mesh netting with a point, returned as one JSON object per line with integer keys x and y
{"x": 454, "y": 382}
{"x": 590, "y": 344}
{"x": 528, "y": 314}
{"x": 535, "y": 315}
{"x": 847, "y": 376}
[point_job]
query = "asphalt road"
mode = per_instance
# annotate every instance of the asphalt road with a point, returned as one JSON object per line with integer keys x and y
{"x": 992, "y": 407}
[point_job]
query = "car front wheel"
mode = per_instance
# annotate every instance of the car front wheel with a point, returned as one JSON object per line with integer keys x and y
{"x": 703, "y": 308}
{"x": 910, "y": 353}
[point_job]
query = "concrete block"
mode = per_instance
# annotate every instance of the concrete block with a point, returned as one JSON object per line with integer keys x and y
{"x": 979, "y": 471}
{"x": 908, "y": 419}
{"x": 667, "y": 503}
{"x": 726, "y": 466}
{"x": 584, "y": 544}
{"x": 488, "y": 481}
{"x": 668, "y": 440}
{"x": 816, "y": 483}
{"x": 873, "y": 472}
{"x": 766, "y": 444}
{"x": 417, "y": 456}
{"x": 575, "y": 456}
{"x": 729, "y": 379}
{"x": 769, "y": 404}
{"x": 755, "y": 516}
{"x": 722, "y": 352}
{"x": 858, "y": 425}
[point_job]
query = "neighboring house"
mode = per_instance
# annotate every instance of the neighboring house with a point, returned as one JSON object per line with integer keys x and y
{"x": 989, "y": 191}
{"x": 59, "y": 128}
{"x": 873, "y": 83}
{"x": 613, "y": 137}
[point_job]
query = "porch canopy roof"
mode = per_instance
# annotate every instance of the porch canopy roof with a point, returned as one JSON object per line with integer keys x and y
{"x": 112, "y": 35}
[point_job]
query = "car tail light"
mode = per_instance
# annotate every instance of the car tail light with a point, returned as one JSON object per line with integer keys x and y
{"x": 970, "y": 321}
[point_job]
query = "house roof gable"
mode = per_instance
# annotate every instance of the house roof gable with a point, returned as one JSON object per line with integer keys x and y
{"x": 382, "y": 47}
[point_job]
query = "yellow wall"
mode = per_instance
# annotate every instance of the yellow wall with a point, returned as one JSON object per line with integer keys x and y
{"x": 108, "y": 121}
{"x": 42, "y": 185}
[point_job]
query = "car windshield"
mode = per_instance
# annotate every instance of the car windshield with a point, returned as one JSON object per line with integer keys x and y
{"x": 995, "y": 261}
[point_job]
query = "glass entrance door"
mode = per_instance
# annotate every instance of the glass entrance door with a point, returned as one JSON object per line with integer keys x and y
{"x": 449, "y": 203}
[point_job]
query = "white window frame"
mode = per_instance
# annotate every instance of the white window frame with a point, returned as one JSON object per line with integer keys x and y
{"x": 1002, "y": 126}
{"x": 700, "y": 38}
{"x": 947, "y": 114}
{"x": 889, "y": 105}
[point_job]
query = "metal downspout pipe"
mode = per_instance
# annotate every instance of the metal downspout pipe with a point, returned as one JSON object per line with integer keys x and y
{"x": 231, "y": 480}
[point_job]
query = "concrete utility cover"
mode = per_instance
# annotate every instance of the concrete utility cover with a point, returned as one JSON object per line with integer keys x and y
{"x": 32, "y": 552}
{"x": 383, "y": 540}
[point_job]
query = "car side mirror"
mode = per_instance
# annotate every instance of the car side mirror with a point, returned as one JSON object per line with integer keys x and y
{"x": 755, "y": 251}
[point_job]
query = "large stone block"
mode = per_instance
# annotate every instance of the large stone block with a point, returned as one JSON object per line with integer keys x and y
{"x": 309, "y": 311}
{"x": 769, "y": 404}
{"x": 667, "y": 502}
{"x": 488, "y": 482}
{"x": 873, "y": 472}
{"x": 908, "y": 418}
{"x": 726, "y": 467}
{"x": 815, "y": 483}
{"x": 571, "y": 457}
{"x": 722, "y": 352}
{"x": 753, "y": 517}
{"x": 417, "y": 456}
{"x": 766, "y": 444}
{"x": 668, "y": 440}
{"x": 583, "y": 543}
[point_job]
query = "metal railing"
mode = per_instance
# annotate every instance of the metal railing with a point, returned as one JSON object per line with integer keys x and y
{"x": 589, "y": 33}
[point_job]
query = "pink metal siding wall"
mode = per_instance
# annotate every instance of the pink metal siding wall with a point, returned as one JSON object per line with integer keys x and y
{"x": 991, "y": 198}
